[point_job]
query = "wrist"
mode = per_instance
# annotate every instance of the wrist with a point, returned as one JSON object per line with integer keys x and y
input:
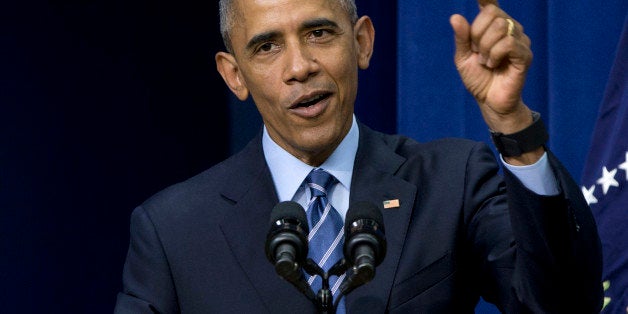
{"x": 525, "y": 146}
{"x": 511, "y": 121}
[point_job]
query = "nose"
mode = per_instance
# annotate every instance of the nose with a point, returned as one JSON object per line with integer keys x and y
{"x": 300, "y": 63}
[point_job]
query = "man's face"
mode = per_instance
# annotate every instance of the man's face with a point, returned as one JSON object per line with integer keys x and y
{"x": 299, "y": 61}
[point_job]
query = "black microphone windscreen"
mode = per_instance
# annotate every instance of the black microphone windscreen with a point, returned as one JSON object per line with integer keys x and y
{"x": 290, "y": 210}
{"x": 364, "y": 210}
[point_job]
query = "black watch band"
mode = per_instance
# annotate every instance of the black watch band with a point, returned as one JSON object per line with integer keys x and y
{"x": 526, "y": 140}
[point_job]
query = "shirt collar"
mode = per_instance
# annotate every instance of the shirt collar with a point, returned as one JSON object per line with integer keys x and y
{"x": 288, "y": 172}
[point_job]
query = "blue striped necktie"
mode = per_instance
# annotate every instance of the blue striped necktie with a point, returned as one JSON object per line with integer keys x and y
{"x": 326, "y": 230}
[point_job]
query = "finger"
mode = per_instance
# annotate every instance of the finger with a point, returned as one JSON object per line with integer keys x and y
{"x": 483, "y": 21}
{"x": 462, "y": 36}
{"x": 495, "y": 32}
{"x": 509, "y": 49}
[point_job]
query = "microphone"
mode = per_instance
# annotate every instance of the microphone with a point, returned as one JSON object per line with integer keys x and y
{"x": 286, "y": 244}
{"x": 365, "y": 244}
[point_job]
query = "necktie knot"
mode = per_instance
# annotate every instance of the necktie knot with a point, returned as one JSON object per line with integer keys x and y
{"x": 319, "y": 181}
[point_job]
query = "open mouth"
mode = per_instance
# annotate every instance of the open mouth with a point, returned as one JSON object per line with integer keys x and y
{"x": 311, "y": 101}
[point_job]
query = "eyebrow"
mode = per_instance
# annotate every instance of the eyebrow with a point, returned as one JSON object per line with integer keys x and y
{"x": 260, "y": 38}
{"x": 270, "y": 35}
{"x": 319, "y": 22}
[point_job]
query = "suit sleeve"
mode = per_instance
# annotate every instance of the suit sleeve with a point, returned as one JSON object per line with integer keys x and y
{"x": 541, "y": 254}
{"x": 558, "y": 267}
{"x": 147, "y": 282}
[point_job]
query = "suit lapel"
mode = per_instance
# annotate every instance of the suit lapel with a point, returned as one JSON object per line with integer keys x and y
{"x": 246, "y": 225}
{"x": 374, "y": 181}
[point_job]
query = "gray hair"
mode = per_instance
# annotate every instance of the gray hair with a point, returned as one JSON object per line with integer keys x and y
{"x": 228, "y": 18}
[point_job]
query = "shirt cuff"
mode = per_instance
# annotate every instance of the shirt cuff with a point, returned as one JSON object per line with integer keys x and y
{"x": 537, "y": 177}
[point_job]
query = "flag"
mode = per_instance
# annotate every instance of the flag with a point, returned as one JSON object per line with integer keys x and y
{"x": 605, "y": 181}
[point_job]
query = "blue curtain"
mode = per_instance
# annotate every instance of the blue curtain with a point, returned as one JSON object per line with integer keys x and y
{"x": 573, "y": 44}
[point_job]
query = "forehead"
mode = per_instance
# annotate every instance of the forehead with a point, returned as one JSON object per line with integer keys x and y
{"x": 255, "y": 16}
{"x": 247, "y": 8}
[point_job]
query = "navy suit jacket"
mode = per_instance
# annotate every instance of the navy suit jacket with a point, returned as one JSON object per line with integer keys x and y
{"x": 198, "y": 246}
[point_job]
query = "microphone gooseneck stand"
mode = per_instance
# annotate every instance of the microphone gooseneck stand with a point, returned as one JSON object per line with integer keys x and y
{"x": 355, "y": 277}
{"x": 364, "y": 249}
{"x": 324, "y": 299}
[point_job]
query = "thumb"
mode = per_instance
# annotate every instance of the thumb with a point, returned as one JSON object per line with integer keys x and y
{"x": 462, "y": 36}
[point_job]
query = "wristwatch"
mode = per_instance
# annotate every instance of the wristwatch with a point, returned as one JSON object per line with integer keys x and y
{"x": 526, "y": 140}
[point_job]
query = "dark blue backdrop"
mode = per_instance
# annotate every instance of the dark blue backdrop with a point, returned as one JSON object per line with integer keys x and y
{"x": 573, "y": 42}
{"x": 103, "y": 103}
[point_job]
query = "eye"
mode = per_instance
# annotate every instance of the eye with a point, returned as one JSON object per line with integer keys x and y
{"x": 266, "y": 47}
{"x": 319, "y": 33}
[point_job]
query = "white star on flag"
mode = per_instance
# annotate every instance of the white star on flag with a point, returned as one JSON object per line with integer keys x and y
{"x": 624, "y": 166}
{"x": 588, "y": 195}
{"x": 607, "y": 180}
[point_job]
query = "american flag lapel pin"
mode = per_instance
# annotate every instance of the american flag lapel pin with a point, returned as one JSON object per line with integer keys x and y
{"x": 391, "y": 204}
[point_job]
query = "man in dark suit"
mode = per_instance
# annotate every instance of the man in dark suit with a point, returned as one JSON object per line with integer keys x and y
{"x": 455, "y": 230}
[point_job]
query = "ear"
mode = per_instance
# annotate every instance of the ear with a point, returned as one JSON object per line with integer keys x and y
{"x": 230, "y": 71}
{"x": 365, "y": 39}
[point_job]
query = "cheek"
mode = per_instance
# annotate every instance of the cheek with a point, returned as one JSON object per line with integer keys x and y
{"x": 342, "y": 61}
{"x": 264, "y": 87}
{"x": 266, "y": 95}
{"x": 345, "y": 74}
